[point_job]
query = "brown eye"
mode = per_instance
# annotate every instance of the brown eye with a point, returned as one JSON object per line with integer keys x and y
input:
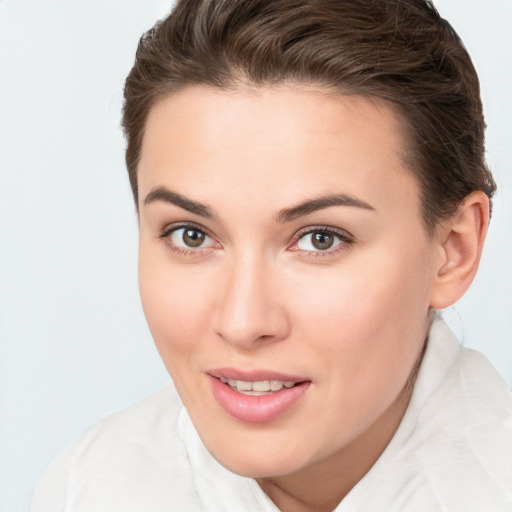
{"x": 322, "y": 241}
{"x": 189, "y": 238}
{"x": 193, "y": 237}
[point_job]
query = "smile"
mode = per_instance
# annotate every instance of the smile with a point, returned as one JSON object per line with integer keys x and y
{"x": 253, "y": 399}
{"x": 257, "y": 388}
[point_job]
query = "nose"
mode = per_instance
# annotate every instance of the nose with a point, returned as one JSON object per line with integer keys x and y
{"x": 250, "y": 311}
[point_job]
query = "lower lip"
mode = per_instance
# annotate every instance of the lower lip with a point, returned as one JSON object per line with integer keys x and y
{"x": 256, "y": 409}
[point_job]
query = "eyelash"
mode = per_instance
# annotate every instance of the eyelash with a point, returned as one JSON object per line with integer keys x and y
{"x": 345, "y": 239}
{"x": 169, "y": 230}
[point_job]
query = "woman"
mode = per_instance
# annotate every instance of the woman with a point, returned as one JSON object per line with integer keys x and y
{"x": 310, "y": 187}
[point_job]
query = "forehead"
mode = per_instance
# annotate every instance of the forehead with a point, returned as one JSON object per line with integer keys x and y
{"x": 283, "y": 142}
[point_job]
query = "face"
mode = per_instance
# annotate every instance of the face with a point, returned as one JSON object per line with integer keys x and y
{"x": 284, "y": 268}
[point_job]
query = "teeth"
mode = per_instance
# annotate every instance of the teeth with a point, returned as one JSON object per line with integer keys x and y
{"x": 261, "y": 385}
{"x": 241, "y": 385}
{"x": 276, "y": 385}
{"x": 258, "y": 387}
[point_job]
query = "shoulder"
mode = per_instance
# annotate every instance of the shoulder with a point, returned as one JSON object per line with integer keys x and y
{"x": 453, "y": 449}
{"x": 461, "y": 437}
{"x": 466, "y": 428}
{"x": 132, "y": 460}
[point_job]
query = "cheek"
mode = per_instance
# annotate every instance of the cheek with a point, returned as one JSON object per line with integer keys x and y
{"x": 175, "y": 302}
{"x": 369, "y": 316}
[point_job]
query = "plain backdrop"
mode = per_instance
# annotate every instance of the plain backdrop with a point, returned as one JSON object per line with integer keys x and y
{"x": 74, "y": 344}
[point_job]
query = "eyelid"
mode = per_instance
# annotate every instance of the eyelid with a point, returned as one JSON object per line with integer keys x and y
{"x": 167, "y": 231}
{"x": 346, "y": 238}
{"x": 342, "y": 233}
{"x": 169, "y": 228}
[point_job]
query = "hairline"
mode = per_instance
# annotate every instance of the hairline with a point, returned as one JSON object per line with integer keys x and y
{"x": 239, "y": 83}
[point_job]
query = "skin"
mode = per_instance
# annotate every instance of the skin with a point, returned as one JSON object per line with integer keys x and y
{"x": 257, "y": 294}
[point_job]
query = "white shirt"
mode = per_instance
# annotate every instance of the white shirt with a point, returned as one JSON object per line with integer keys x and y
{"x": 451, "y": 452}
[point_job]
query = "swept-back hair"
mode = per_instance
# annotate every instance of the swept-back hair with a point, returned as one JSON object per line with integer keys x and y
{"x": 400, "y": 51}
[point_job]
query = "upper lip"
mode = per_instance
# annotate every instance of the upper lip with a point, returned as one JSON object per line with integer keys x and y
{"x": 254, "y": 375}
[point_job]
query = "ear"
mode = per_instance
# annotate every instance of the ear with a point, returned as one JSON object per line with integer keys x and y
{"x": 461, "y": 239}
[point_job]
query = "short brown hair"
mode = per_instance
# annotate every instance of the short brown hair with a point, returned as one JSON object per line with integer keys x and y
{"x": 401, "y": 51}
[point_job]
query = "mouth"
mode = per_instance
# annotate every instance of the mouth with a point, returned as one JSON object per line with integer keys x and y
{"x": 259, "y": 387}
{"x": 253, "y": 399}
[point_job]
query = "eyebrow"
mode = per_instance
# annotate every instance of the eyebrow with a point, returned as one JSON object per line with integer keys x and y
{"x": 168, "y": 196}
{"x": 285, "y": 215}
{"x": 320, "y": 203}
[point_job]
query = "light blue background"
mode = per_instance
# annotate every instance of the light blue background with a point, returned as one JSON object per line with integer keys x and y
{"x": 74, "y": 344}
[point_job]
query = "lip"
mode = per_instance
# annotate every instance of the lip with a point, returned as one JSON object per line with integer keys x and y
{"x": 254, "y": 375}
{"x": 256, "y": 409}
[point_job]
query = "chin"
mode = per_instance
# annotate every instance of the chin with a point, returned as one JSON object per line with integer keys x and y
{"x": 258, "y": 467}
{"x": 258, "y": 456}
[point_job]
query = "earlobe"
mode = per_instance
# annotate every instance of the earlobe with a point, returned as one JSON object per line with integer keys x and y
{"x": 461, "y": 239}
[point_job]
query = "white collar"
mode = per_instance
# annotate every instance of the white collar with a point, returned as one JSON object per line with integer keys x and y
{"x": 394, "y": 474}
